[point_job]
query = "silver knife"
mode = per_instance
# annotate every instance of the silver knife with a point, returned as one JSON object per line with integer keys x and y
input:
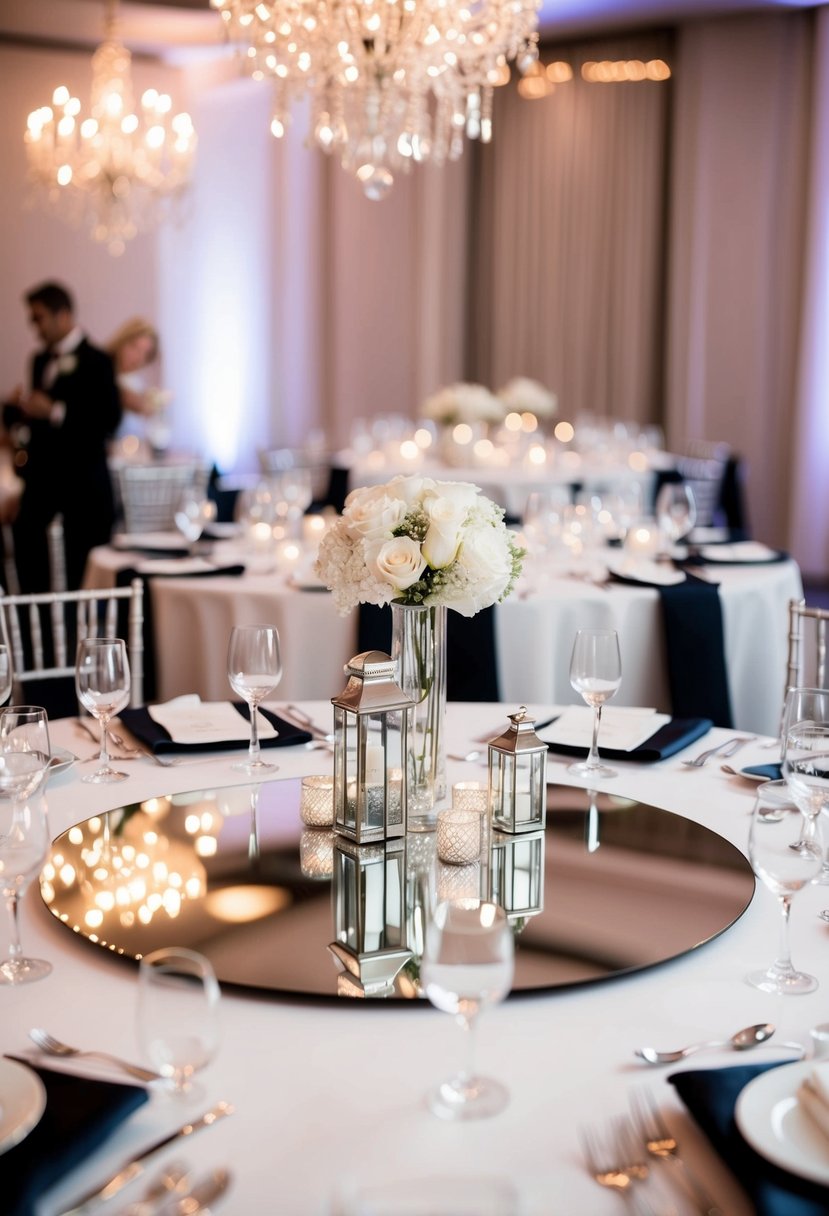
{"x": 135, "y": 1167}
{"x": 205, "y": 1192}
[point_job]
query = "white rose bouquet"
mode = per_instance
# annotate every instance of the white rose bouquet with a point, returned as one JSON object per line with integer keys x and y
{"x": 463, "y": 403}
{"x": 419, "y": 541}
{"x": 524, "y": 395}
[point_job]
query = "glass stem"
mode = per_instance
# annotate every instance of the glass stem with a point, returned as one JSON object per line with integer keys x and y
{"x": 104, "y": 756}
{"x": 467, "y": 1025}
{"x": 783, "y": 962}
{"x": 253, "y": 749}
{"x": 593, "y": 759}
{"x": 13, "y": 905}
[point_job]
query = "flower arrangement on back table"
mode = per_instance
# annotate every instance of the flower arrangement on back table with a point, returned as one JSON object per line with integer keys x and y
{"x": 419, "y": 541}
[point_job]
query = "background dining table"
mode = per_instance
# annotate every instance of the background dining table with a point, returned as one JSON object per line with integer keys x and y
{"x": 534, "y": 630}
{"x": 328, "y": 1094}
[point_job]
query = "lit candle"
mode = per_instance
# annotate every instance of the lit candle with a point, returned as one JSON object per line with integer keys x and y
{"x": 642, "y": 539}
{"x": 469, "y": 796}
{"x": 458, "y": 836}
{"x": 316, "y": 801}
{"x": 375, "y": 764}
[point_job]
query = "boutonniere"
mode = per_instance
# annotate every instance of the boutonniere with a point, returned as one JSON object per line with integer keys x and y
{"x": 67, "y": 364}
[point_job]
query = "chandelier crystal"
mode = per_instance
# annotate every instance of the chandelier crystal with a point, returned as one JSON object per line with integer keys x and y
{"x": 391, "y": 83}
{"x": 119, "y": 168}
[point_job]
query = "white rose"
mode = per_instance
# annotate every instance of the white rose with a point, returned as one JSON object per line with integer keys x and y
{"x": 484, "y": 567}
{"x": 443, "y": 538}
{"x": 399, "y": 562}
{"x": 374, "y": 515}
{"x": 463, "y": 493}
{"x": 410, "y": 489}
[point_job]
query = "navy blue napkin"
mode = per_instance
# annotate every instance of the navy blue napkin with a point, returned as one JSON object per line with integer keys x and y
{"x": 145, "y": 728}
{"x": 771, "y": 772}
{"x": 670, "y": 738}
{"x": 80, "y": 1115}
{"x": 711, "y": 1095}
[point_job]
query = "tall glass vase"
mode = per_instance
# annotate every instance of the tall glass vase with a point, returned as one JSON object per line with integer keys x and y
{"x": 419, "y": 647}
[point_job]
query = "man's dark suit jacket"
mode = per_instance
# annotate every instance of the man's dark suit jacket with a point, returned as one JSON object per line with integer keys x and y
{"x": 66, "y": 468}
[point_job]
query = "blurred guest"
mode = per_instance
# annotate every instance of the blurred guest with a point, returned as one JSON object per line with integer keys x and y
{"x": 133, "y": 348}
{"x": 62, "y": 423}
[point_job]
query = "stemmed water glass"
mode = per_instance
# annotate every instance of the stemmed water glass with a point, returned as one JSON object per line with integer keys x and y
{"x": 676, "y": 513}
{"x": 24, "y": 837}
{"x": 102, "y": 683}
{"x": 786, "y": 861}
{"x": 595, "y": 673}
{"x": 178, "y": 1014}
{"x": 467, "y": 963}
{"x": 254, "y": 668}
{"x": 192, "y": 515}
{"x": 805, "y": 758}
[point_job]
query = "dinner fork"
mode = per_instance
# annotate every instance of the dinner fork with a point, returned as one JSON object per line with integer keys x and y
{"x": 660, "y": 1142}
{"x": 54, "y": 1047}
{"x": 724, "y": 749}
{"x": 616, "y": 1161}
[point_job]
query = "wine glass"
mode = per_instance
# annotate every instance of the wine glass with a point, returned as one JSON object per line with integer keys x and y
{"x": 467, "y": 963}
{"x": 24, "y": 835}
{"x": 192, "y": 515}
{"x": 6, "y": 672}
{"x": 102, "y": 682}
{"x": 254, "y": 668}
{"x": 676, "y": 513}
{"x": 786, "y": 862}
{"x": 805, "y": 758}
{"x": 595, "y": 673}
{"x": 178, "y": 1014}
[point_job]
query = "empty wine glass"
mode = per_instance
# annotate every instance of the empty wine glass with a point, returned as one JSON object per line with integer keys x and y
{"x": 102, "y": 683}
{"x": 805, "y": 758}
{"x": 786, "y": 862}
{"x": 254, "y": 668}
{"x": 24, "y": 837}
{"x": 595, "y": 673}
{"x": 192, "y": 515}
{"x": 676, "y": 513}
{"x": 6, "y": 672}
{"x": 467, "y": 963}
{"x": 178, "y": 1014}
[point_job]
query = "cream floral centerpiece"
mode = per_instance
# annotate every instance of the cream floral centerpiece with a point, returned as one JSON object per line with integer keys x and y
{"x": 422, "y": 546}
{"x": 463, "y": 403}
{"x": 524, "y": 396}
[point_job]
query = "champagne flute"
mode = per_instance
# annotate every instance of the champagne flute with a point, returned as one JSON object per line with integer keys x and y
{"x": 254, "y": 668}
{"x": 102, "y": 682}
{"x": 178, "y": 1014}
{"x": 676, "y": 513}
{"x": 786, "y": 862}
{"x": 595, "y": 673}
{"x": 6, "y": 672}
{"x": 24, "y": 837}
{"x": 467, "y": 963}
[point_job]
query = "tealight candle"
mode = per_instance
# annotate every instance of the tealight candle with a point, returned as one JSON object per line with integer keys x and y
{"x": 458, "y": 881}
{"x": 313, "y": 528}
{"x": 469, "y": 796}
{"x": 316, "y": 801}
{"x": 458, "y": 836}
{"x": 642, "y": 539}
{"x": 316, "y": 854}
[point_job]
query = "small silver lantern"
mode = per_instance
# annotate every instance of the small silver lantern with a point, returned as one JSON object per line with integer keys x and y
{"x": 516, "y": 875}
{"x": 517, "y": 777}
{"x": 368, "y": 896}
{"x": 371, "y": 725}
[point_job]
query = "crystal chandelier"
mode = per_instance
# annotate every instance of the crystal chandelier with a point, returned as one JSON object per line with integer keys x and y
{"x": 390, "y": 82}
{"x": 120, "y": 167}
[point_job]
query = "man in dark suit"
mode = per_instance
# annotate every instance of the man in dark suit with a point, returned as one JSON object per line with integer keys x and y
{"x": 64, "y": 422}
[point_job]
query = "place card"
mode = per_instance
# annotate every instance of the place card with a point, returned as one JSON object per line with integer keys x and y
{"x": 188, "y": 719}
{"x": 623, "y": 727}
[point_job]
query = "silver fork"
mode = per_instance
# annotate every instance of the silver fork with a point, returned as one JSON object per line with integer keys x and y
{"x": 616, "y": 1161}
{"x": 299, "y": 718}
{"x": 725, "y": 749}
{"x": 54, "y": 1047}
{"x": 661, "y": 1143}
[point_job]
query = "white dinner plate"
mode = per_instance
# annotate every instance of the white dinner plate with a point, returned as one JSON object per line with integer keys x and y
{"x": 22, "y": 1102}
{"x": 771, "y": 1119}
{"x": 63, "y": 758}
{"x": 743, "y": 553}
{"x": 661, "y": 574}
{"x": 149, "y": 540}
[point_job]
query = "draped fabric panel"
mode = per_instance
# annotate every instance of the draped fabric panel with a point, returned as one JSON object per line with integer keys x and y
{"x": 567, "y": 269}
{"x": 738, "y": 176}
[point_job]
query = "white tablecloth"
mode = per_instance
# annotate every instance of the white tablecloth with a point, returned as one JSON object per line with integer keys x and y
{"x": 534, "y": 635}
{"x": 328, "y": 1093}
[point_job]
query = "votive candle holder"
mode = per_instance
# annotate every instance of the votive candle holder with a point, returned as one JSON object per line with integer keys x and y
{"x": 458, "y": 836}
{"x": 316, "y": 801}
{"x": 469, "y": 796}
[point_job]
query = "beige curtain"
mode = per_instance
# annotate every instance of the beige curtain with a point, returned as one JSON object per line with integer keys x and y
{"x": 739, "y": 164}
{"x": 567, "y": 272}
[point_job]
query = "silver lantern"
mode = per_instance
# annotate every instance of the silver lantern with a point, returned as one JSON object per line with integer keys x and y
{"x": 517, "y": 777}
{"x": 371, "y": 725}
{"x": 369, "y": 904}
{"x": 516, "y": 875}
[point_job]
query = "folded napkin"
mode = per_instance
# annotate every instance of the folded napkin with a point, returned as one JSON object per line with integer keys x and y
{"x": 813, "y": 1096}
{"x": 664, "y": 742}
{"x": 769, "y": 772}
{"x": 80, "y": 1114}
{"x": 151, "y": 733}
{"x": 711, "y": 1095}
{"x": 623, "y": 728}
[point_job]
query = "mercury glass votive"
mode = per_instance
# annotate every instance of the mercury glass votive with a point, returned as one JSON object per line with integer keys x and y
{"x": 458, "y": 882}
{"x": 316, "y": 854}
{"x": 316, "y": 802}
{"x": 458, "y": 836}
{"x": 469, "y": 796}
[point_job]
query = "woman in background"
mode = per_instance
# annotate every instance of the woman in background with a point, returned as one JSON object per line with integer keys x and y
{"x": 134, "y": 347}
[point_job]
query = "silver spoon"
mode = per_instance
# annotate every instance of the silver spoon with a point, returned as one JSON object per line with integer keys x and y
{"x": 743, "y": 1040}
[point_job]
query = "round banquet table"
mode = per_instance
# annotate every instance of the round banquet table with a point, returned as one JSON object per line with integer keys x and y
{"x": 534, "y": 632}
{"x": 328, "y": 1093}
